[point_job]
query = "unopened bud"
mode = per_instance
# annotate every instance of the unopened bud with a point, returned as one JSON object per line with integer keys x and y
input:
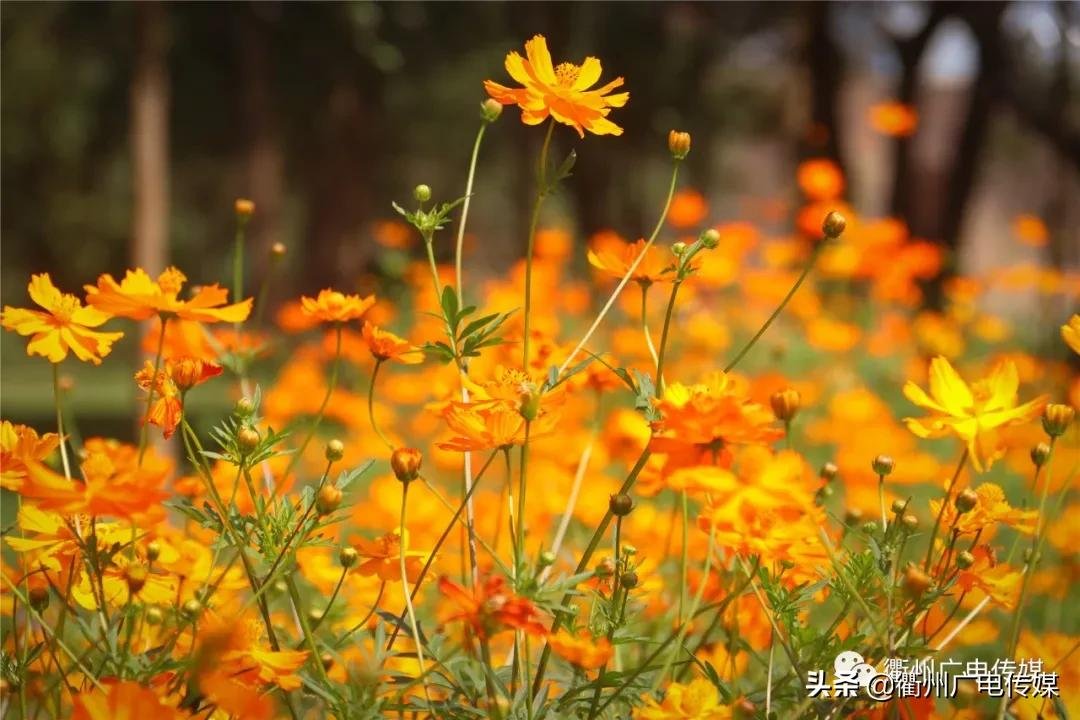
{"x": 621, "y": 504}
{"x": 244, "y": 208}
{"x": 328, "y": 499}
{"x": 38, "y": 597}
{"x": 605, "y": 568}
{"x": 883, "y": 465}
{"x": 965, "y": 560}
{"x": 244, "y": 407}
{"x": 422, "y": 193}
{"x": 192, "y": 609}
{"x": 529, "y": 404}
{"x": 154, "y": 615}
{"x": 853, "y": 516}
{"x": 909, "y": 522}
{"x": 629, "y": 580}
{"x": 828, "y": 471}
{"x": 1040, "y": 454}
{"x": 678, "y": 248}
{"x": 247, "y": 439}
{"x": 898, "y": 506}
{"x": 834, "y": 225}
{"x": 1057, "y": 418}
{"x": 870, "y": 527}
{"x": 547, "y": 559}
{"x": 153, "y": 550}
{"x": 966, "y": 501}
{"x": 315, "y": 616}
{"x": 785, "y": 403}
{"x": 327, "y": 661}
{"x": 405, "y": 462}
{"x": 679, "y": 144}
{"x": 188, "y": 372}
{"x": 490, "y": 110}
{"x": 335, "y": 450}
{"x": 278, "y": 251}
{"x": 710, "y": 238}
{"x": 629, "y": 550}
{"x": 916, "y": 582}
{"x": 347, "y": 556}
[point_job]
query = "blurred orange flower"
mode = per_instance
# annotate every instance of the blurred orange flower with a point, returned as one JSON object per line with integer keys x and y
{"x": 615, "y": 257}
{"x": 1031, "y": 230}
{"x": 820, "y": 179}
{"x": 490, "y": 608}
{"x": 385, "y": 345}
{"x": 688, "y": 209}
{"x": 139, "y": 297}
{"x": 894, "y": 119}
{"x": 20, "y": 448}
{"x": 334, "y": 306}
{"x": 560, "y": 92}
{"x": 582, "y": 650}
{"x": 65, "y": 325}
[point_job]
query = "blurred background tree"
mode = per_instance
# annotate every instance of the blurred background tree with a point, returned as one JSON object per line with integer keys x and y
{"x": 128, "y": 129}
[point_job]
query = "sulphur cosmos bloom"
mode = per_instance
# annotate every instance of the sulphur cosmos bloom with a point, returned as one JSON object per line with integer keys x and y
{"x": 140, "y": 297}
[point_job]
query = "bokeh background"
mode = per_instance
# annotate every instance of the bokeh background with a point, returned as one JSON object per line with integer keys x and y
{"x": 128, "y": 129}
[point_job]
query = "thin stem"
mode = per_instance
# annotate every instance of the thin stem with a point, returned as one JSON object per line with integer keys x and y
{"x": 571, "y": 501}
{"x": 779, "y": 308}
{"x": 645, "y": 322}
{"x": 330, "y": 387}
{"x": 523, "y": 471}
{"x": 60, "y": 420}
{"x": 881, "y": 501}
{"x": 238, "y": 259}
{"x": 626, "y": 278}
{"x": 684, "y": 506}
{"x": 144, "y": 433}
{"x": 465, "y": 212}
{"x": 941, "y": 511}
{"x": 408, "y": 596}
{"x": 362, "y": 623}
{"x": 541, "y": 193}
{"x": 371, "y": 406}
{"x": 664, "y": 336}
{"x": 309, "y": 635}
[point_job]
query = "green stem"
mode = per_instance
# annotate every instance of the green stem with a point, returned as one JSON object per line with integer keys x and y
{"x": 685, "y": 507}
{"x": 458, "y": 278}
{"x": 330, "y": 387}
{"x": 645, "y": 322}
{"x": 779, "y": 308}
{"x": 941, "y": 511}
{"x": 664, "y": 337}
{"x": 371, "y": 406}
{"x": 144, "y": 433}
{"x": 60, "y": 420}
{"x": 541, "y": 193}
{"x": 629, "y": 273}
{"x": 408, "y": 597}
{"x": 309, "y": 635}
{"x": 522, "y": 484}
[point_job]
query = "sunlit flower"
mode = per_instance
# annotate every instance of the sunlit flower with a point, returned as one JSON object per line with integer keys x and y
{"x": 385, "y": 345}
{"x": 697, "y": 700}
{"x": 140, "y": 297}
{"x": 241, "y": 648}
{"x": 334, "y": 306}
{"x": 991, "y": 508}
{"x": 972, "y": 413}
{"x": 560, "y": 92}
{"x": 615, "y": 257}
{"x": 581, "y": 650}
{"x": 20, "y": 448}
{"x": 491, "y": 427}
{"x": 123, "y": 701}
{"x": 382, "y": 557}
{"x": 490, "y": 608}
{"x": 64, "y": 325}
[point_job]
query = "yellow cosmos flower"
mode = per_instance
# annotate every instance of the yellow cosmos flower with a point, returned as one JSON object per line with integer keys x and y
{"x": 698, "y": 700}
{"x": 972, "y": 413}
{"x": 559, "y": 92}
{"x": 140, "y": 297}
{"x": 20, "y": 449}
{"x": 334, "y": 306}
{"x": 64, "y": 325}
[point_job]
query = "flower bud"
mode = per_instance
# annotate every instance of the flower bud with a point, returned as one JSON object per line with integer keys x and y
{"x": 278, "y": 250}
{"x": 605, "y": 568}
{"x": 966, "y": 501}
{"x": 490, "y": 110}
{"x": 710, "y": 238}
{"x": 834, "y": 225}
{"x": 244, "y": 208}
{"x": 965, "y": 560}
{"x": 153, "y": 550}
{"x": 621, "y": 504}
{"x": 187, "y": 372}
{"x": 135, "y": 576}
{"x": 38, "y": 597}
{"x": 824, "y": 493}
{"x": 785, "y": 403}
{"x": 247, "y": 439}
{"x": 629, "y": 580}
{"x": 315, "y": 616}
{"x": 154, "y": 616}
{"x": 853, "y": 516}
{"x": 1031, "y": 557}
{"x": 547, "y": 559}
{"x": 422, "y": 193}
{"x": 678, "y": 248}
{"x": 898, "y": 507}
{"x": 909, "y": 522}
{"x": 192, "y": 609}
{"x": 1040, "y": 454}
{"x": 529, "y": 404}
{"x": 405, "y": 463}
{"x": 328, "y": 499}
{"x": 244, "y": 408}
{"x": 679, "y": 144}
{"x": 883, "y": 465}
{"x": 916, "y": 582}
{"x": 828, "y": 471}
{"x": 335, "y": 450}
{"x": 327, "y": 660}
{"x": 1057, "y": 418}
{"x": 347, "y": 556}
{"x": 629, "y": 550}
{"x": 870, "y": 527}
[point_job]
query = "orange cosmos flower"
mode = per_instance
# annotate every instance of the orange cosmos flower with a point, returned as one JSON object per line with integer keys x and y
{"x": 613, "y": 256}
{"x": 581, "y": 650}
{"x": 385, "y": 345}
{"x": 139, "y": 297}
{"x": 561, "y": 92}
{"x": 21, "y": 448}
{"x": 334, "y": 306}
{"x": 113, "y": 483}
{"x": 490, "y": 608}
{"x": 972, "y": 413}
{"x": 991, "y": 508}
{"x": 65, "y": 325}
{"x": 820, "y": 179}
{"x": 688, "y": 209}
{"x": 491, "y": 426}
{"x": 123, "y": 700}
{"x": 894, "y": 119}
{"x": 382, "y": 557}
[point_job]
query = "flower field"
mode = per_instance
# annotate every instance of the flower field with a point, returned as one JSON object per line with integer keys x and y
{"x": 690, "y": 475}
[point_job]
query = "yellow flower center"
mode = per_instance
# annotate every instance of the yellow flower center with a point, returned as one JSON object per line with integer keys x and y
{"x": 567, "y": 74}
{"x": 65, "y": 308}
